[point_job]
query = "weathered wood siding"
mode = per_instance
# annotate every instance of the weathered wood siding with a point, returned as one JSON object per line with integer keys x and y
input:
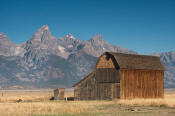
{"x": 108, "y": 86}
{"x": 141, "y": 84}
{"x": 107, "y": 75}
{"x": 107, "y": 79}
{"x": 104, "y": 85}
{"x": 105, "y": 62}
{"x": 61, "y": 93}
{"x": 104, "y": 91}
{"x": 86, "y": 90}
{"x": 56, "y": 94}
{"x": 77, "y": 92}
{"x": 108, "y": 91}
{"x": 115, "y": 90}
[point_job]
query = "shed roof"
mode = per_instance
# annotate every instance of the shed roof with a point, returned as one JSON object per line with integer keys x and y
{"x": 134, "y": 61}
{"x": 89, "y": 75}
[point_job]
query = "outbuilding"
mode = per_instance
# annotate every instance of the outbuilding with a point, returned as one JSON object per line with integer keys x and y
{"x": 124, "y": 76}
{"x": 59, "y": 94}
{"x": 64, "y": 94}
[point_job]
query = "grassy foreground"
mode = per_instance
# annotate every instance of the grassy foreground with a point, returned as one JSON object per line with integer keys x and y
{"x": 36, "y": 103}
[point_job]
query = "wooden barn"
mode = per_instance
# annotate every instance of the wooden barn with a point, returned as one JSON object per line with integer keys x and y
{"x": 125, "y": 76}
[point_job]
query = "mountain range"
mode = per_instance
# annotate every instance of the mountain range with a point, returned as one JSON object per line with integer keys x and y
{"x": 45, "y": 61}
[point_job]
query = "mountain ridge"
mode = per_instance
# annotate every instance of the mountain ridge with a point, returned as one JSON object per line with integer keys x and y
{"x": 45, "y": 61}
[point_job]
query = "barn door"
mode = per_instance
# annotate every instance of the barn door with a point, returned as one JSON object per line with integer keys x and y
{"x": 118, "y": 91}
{"x": 115, "y": 90}
{"x": 107, "y": 91}
{"x": 104, "y": 91}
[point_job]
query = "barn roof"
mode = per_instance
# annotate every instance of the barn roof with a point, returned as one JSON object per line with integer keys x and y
{"x": 134, "y": 61}
{"x": 89, "y": 75}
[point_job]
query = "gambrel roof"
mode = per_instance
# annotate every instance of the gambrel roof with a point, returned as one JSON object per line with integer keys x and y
{"x": 134, "y": 61}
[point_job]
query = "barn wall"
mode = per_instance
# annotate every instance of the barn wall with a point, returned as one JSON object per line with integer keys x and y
{"x": 104, "y": 91}
{"x": 115, "y": 90}
{"x": 77, "y": 92}
{"x": 108, "y": 86}
{"x": 141, "y": 84}
{"x": 107, "y": 78}
{"x": 107, "y": 75}
{"x": 56, "y": 94}
{"x": 108, "y": 91}
{"x": 103, "y": 85}
{"x": 61, "y": 93}
{"x": 86, "y": 90}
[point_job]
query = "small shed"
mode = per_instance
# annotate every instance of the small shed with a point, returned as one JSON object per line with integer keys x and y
{"x": 59, "y": 94}
{"x": 56, "y": 94}
{"x": 64, "y": 94}
{"x": 124, "y": 76}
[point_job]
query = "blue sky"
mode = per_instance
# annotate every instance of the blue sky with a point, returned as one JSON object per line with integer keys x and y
{"x": 145, "y": 26}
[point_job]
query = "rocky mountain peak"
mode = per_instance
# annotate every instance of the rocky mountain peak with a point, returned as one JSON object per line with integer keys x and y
{"x": 68, "y": 41}
{"x": 97, "y": 40}
{"x": 40, "y": 45}
{"x": 69, "y": 36}
{"x": 168, "y": 57}
{"x": 6, "y": 47}
{"x": 44, "y": 28}
{"x": 42, "y": 35}
{"x": 4, "y": 38}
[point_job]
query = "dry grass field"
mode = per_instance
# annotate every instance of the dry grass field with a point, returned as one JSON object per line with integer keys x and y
{"x": 37, "y": 103}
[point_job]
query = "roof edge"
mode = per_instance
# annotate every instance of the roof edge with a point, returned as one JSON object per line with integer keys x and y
{"x": 84, "y": 78}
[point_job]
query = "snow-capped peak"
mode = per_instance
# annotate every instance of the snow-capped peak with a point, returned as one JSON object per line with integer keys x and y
{"x": 44, "y": 27}
{"x": 70, "y": 36}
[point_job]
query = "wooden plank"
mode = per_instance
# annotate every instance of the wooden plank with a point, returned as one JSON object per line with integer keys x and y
{"x": 141, "y": 84}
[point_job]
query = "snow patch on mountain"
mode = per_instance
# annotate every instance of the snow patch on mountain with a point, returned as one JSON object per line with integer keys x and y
{"x": 61, "y": 49}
